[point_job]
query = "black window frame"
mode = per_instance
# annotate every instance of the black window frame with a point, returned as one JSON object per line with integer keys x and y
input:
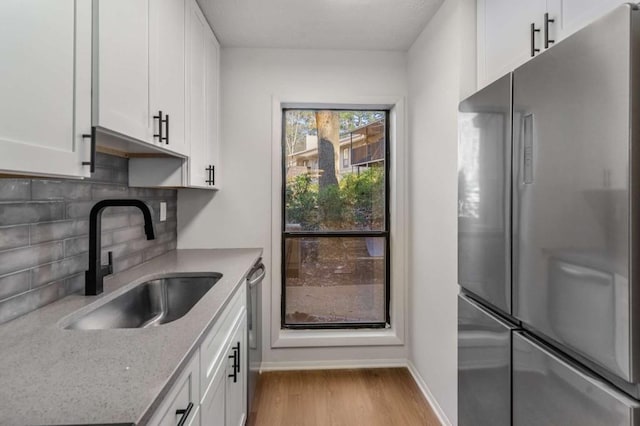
{"x": 386, "y": 233}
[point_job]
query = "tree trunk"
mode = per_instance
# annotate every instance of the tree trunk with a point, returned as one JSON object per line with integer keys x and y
{"x": 328, "y": 123}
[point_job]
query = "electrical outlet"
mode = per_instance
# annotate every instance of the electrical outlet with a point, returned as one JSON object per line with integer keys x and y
{"x": 163, "y": 211}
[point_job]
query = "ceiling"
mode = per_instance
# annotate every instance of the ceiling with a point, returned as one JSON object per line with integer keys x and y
{"x": 319, "y": 24}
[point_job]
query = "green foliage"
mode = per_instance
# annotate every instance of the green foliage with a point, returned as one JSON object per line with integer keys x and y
{"x": 302, "y": 202}
{"x": 356, "y": 203}
{"x": 364, "y": 195}
{"x": 350, "y": 120}
{"x": 331, "y": 206}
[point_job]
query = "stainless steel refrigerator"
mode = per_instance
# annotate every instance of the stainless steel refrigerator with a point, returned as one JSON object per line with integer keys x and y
{"x": 549, "y": 236}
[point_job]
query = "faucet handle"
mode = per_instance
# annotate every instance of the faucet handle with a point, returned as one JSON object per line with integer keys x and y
{"x": 108, "y": 269}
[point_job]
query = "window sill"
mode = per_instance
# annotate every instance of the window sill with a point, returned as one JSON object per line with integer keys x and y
{"x": 333, "y": 338}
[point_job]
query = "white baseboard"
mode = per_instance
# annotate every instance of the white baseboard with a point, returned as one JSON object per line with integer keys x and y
{"x": 428, "y": 395}
{"x": 332, "y": 365}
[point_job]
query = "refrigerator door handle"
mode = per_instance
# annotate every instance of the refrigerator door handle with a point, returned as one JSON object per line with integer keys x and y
{"x": 527, "y": 149}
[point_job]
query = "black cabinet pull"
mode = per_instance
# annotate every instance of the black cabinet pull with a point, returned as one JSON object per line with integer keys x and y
{"x": 92, "y": 162}
{"x": 211, "y": 170}
{"x": 159, "y": 118}
{"x": 234, "y": 356}
{"x": 239, "y": 356}
{"x": 534, "y": 30}
{"x": 184, "y": 413}
{"x": 547, "y": 40}
{"x": 162, "y": 136}
{"x": 166, "y": 137}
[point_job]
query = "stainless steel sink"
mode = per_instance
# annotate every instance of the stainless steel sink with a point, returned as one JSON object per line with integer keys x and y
{"x": 149, "y": 304}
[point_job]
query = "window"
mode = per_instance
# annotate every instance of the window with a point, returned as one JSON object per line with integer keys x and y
{"x": 335, "y": 220}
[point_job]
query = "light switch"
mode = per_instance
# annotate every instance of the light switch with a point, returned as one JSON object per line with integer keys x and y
{"x": 163, "y": 211}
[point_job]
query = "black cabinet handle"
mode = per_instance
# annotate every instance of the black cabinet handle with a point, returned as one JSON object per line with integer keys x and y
{"x": 239, "y": 356}
{"x": 547, "y": 40}
{"x": 162, "y": 136}
{"x": 184, "y": 413}
{"x": 235, "y": 356}
{"x": 211, "y": 170}
{"x": 534, "y": 30}
{"x": 166, "y": 121}
{"x": 159, "y": 118}
{"x": 92, "y": 162}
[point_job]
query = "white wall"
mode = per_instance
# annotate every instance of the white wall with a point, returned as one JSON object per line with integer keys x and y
{"x": 441, "y": 71}
{"x": 239, "y": 215}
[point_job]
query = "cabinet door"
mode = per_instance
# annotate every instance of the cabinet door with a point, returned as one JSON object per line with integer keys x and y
{"x": 121, "y": 77}
{"x": 197, "y": 94}
{"x": 182, "y": 399}
{"x": 45, "y": 82}
{"x": 504, "y": 35}
{"x": 167, "y": 70}
{"x": 571, "y": 15}
{"x": 212, "y": 409}
{"x": 236, "y": 392}
{"x": 212, "y": 101}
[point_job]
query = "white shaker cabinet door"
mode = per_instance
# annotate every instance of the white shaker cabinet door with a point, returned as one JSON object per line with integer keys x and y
{"x": 121, "y": 68}
{"x": 236, "y": 392}
{"x": 212, "y": 114}
{"x": 504, "y": 35}
{"x": 45, "y": 86}
{"x": 572, "y": 15}
{"x": 197, "y": 99}
{"x": 167, "y": 55}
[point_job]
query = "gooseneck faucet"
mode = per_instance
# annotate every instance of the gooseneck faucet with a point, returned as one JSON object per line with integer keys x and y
{"x": 95, "y": 275}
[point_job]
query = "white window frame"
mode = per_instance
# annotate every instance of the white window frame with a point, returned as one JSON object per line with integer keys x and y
{"x": 395, "y": 334}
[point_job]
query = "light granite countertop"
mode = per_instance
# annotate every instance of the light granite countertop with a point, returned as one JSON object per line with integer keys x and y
{"x": 53, "y": 376}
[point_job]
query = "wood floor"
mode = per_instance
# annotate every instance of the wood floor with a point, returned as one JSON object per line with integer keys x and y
{"x": 369, "y": 397}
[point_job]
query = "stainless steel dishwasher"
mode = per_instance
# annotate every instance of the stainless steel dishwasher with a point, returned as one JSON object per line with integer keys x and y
{"x": 254, "y": 327}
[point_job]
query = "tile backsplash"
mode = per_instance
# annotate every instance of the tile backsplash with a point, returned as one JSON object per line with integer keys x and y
{"x": 44, "y": 226}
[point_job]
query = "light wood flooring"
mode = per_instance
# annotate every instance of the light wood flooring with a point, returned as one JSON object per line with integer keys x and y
{"x": 367, "y": 397}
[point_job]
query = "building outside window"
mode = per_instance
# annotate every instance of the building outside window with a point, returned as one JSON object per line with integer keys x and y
{"x": 335, "y": 219}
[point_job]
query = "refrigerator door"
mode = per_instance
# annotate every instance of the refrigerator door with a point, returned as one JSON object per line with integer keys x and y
{"x": 571, "y": 219}
{"x": 484, "y": 366}
{"x": 549, "y": 390}
{"x": 484, "y": 194}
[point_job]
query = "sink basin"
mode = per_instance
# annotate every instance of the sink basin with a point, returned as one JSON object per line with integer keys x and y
{"x": 148, "y": 304}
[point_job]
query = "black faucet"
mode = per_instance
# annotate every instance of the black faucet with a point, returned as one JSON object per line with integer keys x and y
{"x": 94, "y": 276}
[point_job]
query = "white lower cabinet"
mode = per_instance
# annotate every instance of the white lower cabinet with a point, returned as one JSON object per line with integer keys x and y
{"x": 225, "y": 400}
{"x": 213, "y": 403}
{"x": 212, "y": 391}
{"x": 181, "y": 405}
{"x": 236, "y": 386}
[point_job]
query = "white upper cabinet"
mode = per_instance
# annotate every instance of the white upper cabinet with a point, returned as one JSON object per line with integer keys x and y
{"x": 504, "y": 35}
{"x": 507, "y": 40}
{"x": 201, "y": 99}
{"x": 167, "y": 72}
{"x": 45, "y": 86}
{"x": 139, "y": 71}
{"x": 121, "y": 68}
{"x": 212, "y": 108}
{"x": 204, "y": 94}
{"x": 575, "y": 14}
